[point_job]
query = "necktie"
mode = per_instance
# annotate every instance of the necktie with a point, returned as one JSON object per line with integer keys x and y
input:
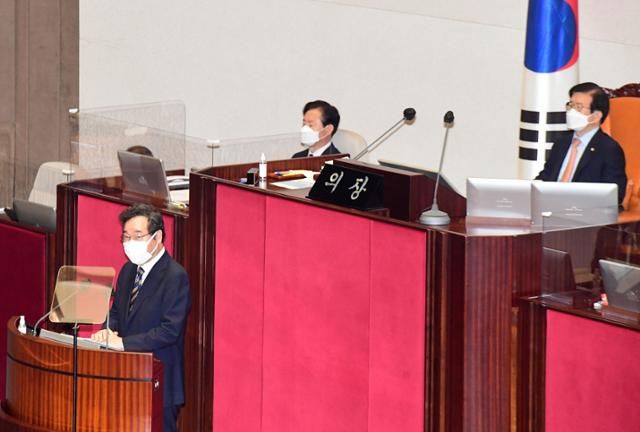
{"x": 568, "y": 171}
{"x": 137, "y": 284}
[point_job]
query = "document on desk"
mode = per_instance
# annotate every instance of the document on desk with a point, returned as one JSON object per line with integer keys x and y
{"x": 304, "y": 183}
{"x": 180, "y": 196}
{"x": 82, "y": 342}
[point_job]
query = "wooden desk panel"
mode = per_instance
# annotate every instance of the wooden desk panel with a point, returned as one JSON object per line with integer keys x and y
{"x": 116, "y": 391}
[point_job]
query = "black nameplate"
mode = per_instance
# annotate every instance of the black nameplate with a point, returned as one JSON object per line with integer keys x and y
{"x": 348, "y": 187}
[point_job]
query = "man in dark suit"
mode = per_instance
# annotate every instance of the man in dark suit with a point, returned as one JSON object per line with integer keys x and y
{"x": 586, "y": 153}
{"x": 151, "y": 303}
{"x": 319, "y": 124}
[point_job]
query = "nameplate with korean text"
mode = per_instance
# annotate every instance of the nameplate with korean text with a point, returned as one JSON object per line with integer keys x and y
{"x": 348, "y": 187}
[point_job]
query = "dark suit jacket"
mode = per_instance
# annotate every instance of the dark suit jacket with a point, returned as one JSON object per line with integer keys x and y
{"x": 329, "y": 151}
{"x": 602, "y": 162}
{"x": 157, "y": 320}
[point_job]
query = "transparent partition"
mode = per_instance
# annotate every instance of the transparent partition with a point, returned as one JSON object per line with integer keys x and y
{"x": 240, "y": 150}
{"x": 153, "y": 129}
{"x": 593, "y": 258}
{"x": 82, "y": 294}
{"x": 575, "y": 215}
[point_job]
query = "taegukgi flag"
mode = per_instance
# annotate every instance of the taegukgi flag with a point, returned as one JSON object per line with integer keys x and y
{"x": 551, "y": 69}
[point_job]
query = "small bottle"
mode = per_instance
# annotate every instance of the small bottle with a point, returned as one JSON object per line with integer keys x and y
{"x": 262, "y": 169}
{"x": 22, "y": 325}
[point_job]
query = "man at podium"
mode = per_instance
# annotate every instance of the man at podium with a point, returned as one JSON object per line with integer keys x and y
{"x": 151, "y": 303}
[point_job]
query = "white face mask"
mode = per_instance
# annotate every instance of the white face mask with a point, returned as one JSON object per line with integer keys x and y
{"x": 576, "y": 120}
{"x": 137, "y": 251}
{"x": 308, "y": 136}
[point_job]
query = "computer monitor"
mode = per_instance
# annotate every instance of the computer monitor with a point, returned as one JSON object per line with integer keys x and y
{"x": 501, "y": 199}
{"x": 565, "y": 205}
{"x": 34, "y": 214}
{"x": 621, "y": 284}
{"x": 557, "y": 271}
{"x": 144, "y": 175}
{"x": 420, "y": 170}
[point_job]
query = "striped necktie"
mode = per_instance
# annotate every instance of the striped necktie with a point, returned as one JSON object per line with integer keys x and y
{"x": 137, "y": 284}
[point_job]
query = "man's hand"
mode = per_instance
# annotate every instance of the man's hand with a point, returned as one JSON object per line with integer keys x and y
{"x": 115, "y": 341}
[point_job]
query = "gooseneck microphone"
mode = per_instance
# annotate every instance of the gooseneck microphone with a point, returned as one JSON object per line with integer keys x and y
{"x": 435, "y": 216}
{"x": 407, "y": 115}
{"x": 53, "y": 309}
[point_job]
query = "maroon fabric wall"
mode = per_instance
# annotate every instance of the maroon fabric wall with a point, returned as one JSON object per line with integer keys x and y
{"x": 319, "y": 319}
{"x": 592, "y": 376}
{"x": 22, "y": 282}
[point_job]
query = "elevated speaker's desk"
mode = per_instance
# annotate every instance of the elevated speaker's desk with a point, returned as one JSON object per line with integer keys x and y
{"x": 308, "y": 316}
{"x": 318, "y": 317}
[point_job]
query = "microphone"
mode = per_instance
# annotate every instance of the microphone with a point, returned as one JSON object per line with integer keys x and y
{"x": 35, "y": 327}
{"x": 407, "y": 115}
{"x": 435, "y": 216}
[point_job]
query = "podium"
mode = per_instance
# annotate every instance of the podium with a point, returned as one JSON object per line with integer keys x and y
{"x": 117, "y": 391}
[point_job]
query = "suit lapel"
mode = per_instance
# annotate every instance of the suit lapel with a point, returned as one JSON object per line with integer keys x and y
{"x": 150, "y": 285}
{"x": 592, "y": 147}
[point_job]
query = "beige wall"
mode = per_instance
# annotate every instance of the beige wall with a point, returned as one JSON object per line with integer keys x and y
{"x": 38, "y": 83}
{"x": 246, "y": 67}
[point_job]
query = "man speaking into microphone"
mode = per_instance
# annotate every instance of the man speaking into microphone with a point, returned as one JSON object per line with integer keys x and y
{"x": 151, "y": 304}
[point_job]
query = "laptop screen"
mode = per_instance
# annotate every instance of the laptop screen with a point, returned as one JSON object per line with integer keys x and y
{"x": 144, "y": 175}
{"x": 622, "y": 284}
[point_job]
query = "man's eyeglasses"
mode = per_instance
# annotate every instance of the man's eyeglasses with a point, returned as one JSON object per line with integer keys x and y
{"x": 137, "y": 237}
{"x": 575, "y": 106}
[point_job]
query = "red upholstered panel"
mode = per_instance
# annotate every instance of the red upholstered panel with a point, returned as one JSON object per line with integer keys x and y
{"x": 239, "y": 276}
{"x": 321, "y": 327}
{"x": 22, "y": 286}
{"x": 99, "y": 231}
{"x": 397, "y": 322}
{"x": 98, "y": 235}
{"x": 316, "y": 331}
{"x": 592, "y": 376}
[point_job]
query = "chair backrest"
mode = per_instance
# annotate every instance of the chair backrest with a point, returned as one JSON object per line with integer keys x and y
{"x": 349, "y": 142}
{"x": 623, "y": 124}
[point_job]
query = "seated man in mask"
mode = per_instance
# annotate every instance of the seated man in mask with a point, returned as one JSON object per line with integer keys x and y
{"x": 586, "y": 153}
{"x": 319, "y": 124}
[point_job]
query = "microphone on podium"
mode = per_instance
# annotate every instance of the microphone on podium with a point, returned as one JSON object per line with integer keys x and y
{"x": 435, "y": 216}
{"x": 407, "y": 115}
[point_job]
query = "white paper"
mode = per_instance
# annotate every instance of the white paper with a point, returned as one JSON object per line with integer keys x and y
{"x": 304, "y": 183}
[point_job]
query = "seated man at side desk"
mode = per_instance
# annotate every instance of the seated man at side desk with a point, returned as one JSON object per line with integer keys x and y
{"x": 151, "y": 303}
{"x": 586, "y": 153}
{"x": 319, "y": 124}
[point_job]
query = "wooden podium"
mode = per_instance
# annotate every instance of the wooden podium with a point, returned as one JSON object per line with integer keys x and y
{"x": 116, "y": 391}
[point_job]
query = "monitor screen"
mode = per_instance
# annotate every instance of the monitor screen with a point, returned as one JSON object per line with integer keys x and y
{"x": 34, "y": 214}
{"x": 565, "y": 205}
{"x": 444, "y": 182}
{"x": 499, "y": 198}
{"x": 622, "y": 284}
